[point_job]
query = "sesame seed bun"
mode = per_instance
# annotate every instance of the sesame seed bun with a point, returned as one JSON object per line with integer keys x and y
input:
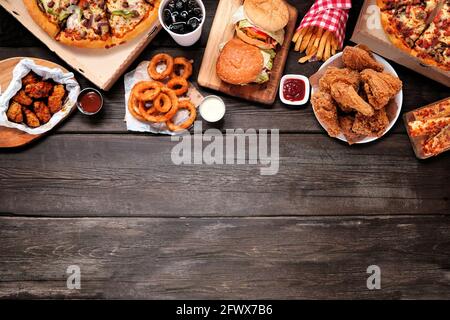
{"x": 270, "y": 15}
{"x": 239, "y": 63}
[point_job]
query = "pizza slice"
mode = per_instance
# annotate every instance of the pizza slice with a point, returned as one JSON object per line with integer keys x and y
{"x": 405, "y": 24}
{"x": 49, "y": 14}
{"x": 437, "y": 144}
{"x": 129, "y": 18}
{"x": 428, "y": 127}
{"x": 86, "y": 26}
{"x": 433, "y": 46}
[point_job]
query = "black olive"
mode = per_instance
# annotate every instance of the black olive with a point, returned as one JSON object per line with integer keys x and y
{"x": 178, "y": 27}
{"x": 171, "y": 6}
{"x": 198, "y": 12}
{"x": 193, "y": 23}
{"x": 175, "y": 16}
{"x": 192, "y": 4}
{"x": 179, "y": 5}
{"x": 184, "y": 15}
{"x": 167, "y": 15}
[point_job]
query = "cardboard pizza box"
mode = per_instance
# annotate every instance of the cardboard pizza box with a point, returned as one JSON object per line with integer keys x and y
{"x": 101, "y": 66}
{"x": 370, "y": 32}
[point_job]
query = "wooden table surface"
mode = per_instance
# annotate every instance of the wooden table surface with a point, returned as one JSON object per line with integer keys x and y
{"x": 112, "y": 202}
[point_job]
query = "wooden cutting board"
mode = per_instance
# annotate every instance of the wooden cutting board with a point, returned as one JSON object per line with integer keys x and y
{"x": 10, "y": 137}
{"x": 222, "y": 30}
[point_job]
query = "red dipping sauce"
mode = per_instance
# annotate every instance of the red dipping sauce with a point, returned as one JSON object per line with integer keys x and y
{"x": 90, "y": 101}
{"x": 294, "y": 89}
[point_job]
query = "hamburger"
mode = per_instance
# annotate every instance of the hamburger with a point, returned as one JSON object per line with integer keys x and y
{"x": 240, "y": 63}
{"x": 261, "y": 22}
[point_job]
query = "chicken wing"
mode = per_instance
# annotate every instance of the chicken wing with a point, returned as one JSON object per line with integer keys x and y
{"x": 346, "y": 96}
{"x": 357, "y": 58}
{"x": 373, "y": 126}
{"x": 30, "y": 118}
{"x": 380, "y": 87}
{"x": 39, "y": 89}
{"x": 14, "y": 112}
{"x": 346, "y": 124}
{"x": 325, "y": 109}
{"x": 29, "y": 79}
{"x": 42, "y": 111}
{"x": 22, "y": 98}
{"x": 333, "y": 75}
{"x": 56, "y": 98}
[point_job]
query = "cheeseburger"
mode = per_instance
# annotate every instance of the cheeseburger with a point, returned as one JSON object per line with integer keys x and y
{"x": 240, "y": 63}
{"x": 261, "y": 22}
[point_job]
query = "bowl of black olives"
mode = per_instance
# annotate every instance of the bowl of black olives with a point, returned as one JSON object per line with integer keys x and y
{"x": 183, "y": 20}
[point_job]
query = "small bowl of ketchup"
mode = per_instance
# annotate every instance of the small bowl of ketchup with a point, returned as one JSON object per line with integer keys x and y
{"x": 294, "y": 89}
{"x": 90, "y": 101}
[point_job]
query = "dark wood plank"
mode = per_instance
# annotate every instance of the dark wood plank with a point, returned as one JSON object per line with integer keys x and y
{"x": 110, "y": 175}
{"x": 225, "y": 258}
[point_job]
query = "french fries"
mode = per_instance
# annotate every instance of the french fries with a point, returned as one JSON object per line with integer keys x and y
{"x": 315, "y": 42}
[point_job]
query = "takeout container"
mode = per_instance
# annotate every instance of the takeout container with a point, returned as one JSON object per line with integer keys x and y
{"x": 417, "y": 142}
{"x": 101, "y": 66}
{"x": 369, "y": 31}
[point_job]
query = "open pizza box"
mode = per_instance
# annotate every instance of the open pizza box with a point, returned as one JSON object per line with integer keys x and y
{"x": 370, "y": 32}
{"x": 101, "y": 66}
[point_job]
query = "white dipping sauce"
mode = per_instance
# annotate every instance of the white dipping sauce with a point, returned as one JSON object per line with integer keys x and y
{"x": 212, "y": 109}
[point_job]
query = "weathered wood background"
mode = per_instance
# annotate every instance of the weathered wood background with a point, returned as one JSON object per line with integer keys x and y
{"x": 112, "y": 202}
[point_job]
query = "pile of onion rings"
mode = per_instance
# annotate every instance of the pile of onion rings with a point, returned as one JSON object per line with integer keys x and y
{"x": 158, "y": 102}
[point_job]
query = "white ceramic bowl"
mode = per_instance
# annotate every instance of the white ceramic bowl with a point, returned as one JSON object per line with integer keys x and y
{"x": 187, "y": 39}
{"x": 398, "y": 98}
{"x": 307, "y": 89}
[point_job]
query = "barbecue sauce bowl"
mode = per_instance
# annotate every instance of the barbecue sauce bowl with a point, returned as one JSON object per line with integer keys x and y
{"x": 90, "y": 101}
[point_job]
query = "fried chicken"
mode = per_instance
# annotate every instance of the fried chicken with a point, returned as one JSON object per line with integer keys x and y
{"x": 22, "y": 98}
{"x": 346, "y": 124}
{"x": 14, "y": 112}
{"x": 56, "y": 98}
{"x": 380, "y": 87}
{"x": 325, "y": 109}
{"x": 29, "y": 79}
{"x": 345, "y": 95}
{"x": 42, "y": 111}
{"x": 373, "y": 126}
{"x": 39, "y": 89}
{"x": 30, "y": 118}
{"x": 333, "y": 75}
{"x": 358, "y": 58}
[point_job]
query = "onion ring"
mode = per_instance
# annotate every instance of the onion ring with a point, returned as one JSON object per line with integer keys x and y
{"x": 184, "y": 104}
{"x": 187, "y": 67}
{"x": 133, "y": 108}
{"x": 157, "y": 59}
{"x": 162, "y": 103}
{"x": 146, "y": 90}
{"x": 180, "y": 83}
{"x": 161, "y": 117}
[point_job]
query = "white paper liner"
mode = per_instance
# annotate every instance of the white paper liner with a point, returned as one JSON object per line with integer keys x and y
{"x": 57, "y": 75}
{"x": 141, "y": 74}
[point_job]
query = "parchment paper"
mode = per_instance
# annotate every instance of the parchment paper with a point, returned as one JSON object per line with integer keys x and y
{"x": 141, "y": 74}
{"x": 57, "y": 75}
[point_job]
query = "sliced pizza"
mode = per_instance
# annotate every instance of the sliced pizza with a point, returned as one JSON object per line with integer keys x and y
{"x": 131, "y": 17}
{"x": 93, "y": 23}
{"x": 49, "y": 14}
{"x": 405, "y": 24}
{"x": 438, "y": 143}
{"x": 437, "y": 110}
{"x": 428, "y": 127}
{"x": 87, "y": 26}
{"x": 433, "y": 46}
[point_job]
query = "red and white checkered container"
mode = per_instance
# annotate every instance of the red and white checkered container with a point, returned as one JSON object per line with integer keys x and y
{"x": 331, "y": 15}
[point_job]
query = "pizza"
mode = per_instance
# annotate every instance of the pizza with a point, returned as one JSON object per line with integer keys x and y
{"x": 93, "y": 23}
{"x": 419, "y": 27}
